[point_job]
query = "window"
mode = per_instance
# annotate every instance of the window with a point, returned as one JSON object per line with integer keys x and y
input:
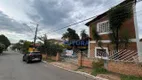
{"x": 101, "y": 52}
{"x": 103, "y": 27}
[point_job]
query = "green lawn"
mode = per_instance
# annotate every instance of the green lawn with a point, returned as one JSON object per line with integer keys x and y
{"x": 123, "y": 77}
{"x": 99, "y": 71}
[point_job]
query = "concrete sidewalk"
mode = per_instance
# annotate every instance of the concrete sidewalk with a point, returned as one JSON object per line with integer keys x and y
{"x": 72, "y": 68}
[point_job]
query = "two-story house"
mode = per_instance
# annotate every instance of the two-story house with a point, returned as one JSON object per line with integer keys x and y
{"x": 102, "y": 27}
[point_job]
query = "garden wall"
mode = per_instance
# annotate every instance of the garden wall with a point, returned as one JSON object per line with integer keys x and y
{"x": 125, "y": 68}
{"x": 83, "y": 61}
{"x": 56, "y": 58}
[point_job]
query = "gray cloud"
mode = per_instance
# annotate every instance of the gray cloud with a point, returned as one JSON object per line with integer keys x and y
{"x": 55, "y": 14}
{"x": 10, "y": 24}
{"x": 90, "y": 3}
{"x": 51, "y": 13}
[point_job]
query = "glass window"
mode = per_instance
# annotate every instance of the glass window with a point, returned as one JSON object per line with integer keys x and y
{"x": 103, "y": 27}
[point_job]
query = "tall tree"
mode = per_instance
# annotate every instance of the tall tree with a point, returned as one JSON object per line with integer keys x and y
{"x": 4, "y": 40}
{"x": 45, "y": 45}
{"x": 116, "y": 20}
{"x": 70, "y": 35}
{"x": 83, "y": 34}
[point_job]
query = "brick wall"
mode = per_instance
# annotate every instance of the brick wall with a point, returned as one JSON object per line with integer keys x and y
{"x": 125, "y": 68}
{"x": 92, "y": 50}
{"x": 131, "y": 46}
{"x": 83, "y": 61}
{"x": 127, "y": 25}
{"x": 87, "y": 62}
{"x": 56, "y": 58}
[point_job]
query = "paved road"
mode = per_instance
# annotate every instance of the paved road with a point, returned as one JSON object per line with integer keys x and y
{"x": 13, "y": 68}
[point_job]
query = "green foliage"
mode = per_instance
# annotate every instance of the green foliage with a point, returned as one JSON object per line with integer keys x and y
{"x": 49, "y": 47}
{"x": 22, "y": 46}
{"x": 125, "y": 77}
{"x": 83, "y": 34}
{"x": 4, "y": 40}
{"x": 53, "y": 49}
{"x": 117, "y": 16}
{"x": 99, "y": 71}
{"x": 97, "y": 64}
{"x": 26, "y": 46}
{"x": 95, "y": 34}
{"x": 125, "y": 39}
{"x": 70, "y": 34}
{"x": 2, "y": 47}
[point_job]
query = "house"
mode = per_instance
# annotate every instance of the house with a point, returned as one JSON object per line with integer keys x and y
{"x": 56, "y": 41}
{"x": 102, "y": 27}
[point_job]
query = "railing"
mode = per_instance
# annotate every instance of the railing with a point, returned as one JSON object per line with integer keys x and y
{"x": 124, "y": 55}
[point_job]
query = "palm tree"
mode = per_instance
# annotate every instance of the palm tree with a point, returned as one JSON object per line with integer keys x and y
{"x": 83, "y": 34}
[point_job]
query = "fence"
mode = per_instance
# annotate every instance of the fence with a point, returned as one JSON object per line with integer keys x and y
{"x": 124, "y": 55}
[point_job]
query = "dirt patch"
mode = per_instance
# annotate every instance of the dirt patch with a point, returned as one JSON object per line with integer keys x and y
{"x": 109, "y": 76}
{"x": 87, "y": 70}
{"x": 65, "y": 65}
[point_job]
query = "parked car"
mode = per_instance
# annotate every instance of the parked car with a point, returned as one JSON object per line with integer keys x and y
{"x": 32, "y": 56}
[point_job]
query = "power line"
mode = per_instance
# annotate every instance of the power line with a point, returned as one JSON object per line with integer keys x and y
{"x": 84, "y": 20}
{"x": 127, "y": 5}
{"x": 75, "y": 23}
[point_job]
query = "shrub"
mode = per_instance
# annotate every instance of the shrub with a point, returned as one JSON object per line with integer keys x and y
{"x": 99, "y": 71}
{"x": 97, "y": 64}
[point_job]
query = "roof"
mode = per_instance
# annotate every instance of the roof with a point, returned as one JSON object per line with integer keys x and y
{"x": 55, "y": 40}
{"x": 105, "y": 13}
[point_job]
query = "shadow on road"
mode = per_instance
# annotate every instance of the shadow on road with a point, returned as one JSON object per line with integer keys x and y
{"x": 34, "y": 62}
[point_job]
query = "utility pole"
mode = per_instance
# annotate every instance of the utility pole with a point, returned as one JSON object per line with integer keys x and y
{"x": 35, "y": 34}
{"x": 137, "y": 32}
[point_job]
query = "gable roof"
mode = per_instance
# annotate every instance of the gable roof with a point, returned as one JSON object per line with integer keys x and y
{"x": 105, "y": 13}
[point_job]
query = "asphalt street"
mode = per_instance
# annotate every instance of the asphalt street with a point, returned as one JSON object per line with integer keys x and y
{"x": 13, "y": 68}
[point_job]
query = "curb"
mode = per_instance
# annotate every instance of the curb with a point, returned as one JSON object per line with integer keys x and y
{"x": 78, "y": 72}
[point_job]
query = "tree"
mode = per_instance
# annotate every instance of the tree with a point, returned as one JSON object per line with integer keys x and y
{"x": 26, "y": 46}
{"x": 48, "y": 47}
{"x": 22, "y": 46}
{"x": 96, "y": 36}
{"x": 70, "y": 35}
{"x": 43, "y": 48}
{"x": 4, "y": 40}
{"x": 116, "y": 20}
{"x": 2, "y": 47}
{"x": 83, "y": 34}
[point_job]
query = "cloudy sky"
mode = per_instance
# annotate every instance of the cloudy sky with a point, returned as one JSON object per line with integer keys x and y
{"x": 16, "y": 15}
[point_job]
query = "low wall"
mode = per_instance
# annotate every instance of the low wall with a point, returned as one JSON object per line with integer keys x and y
{"x": 56, "y": 58}
{"x": 125, "y": 68}
{"x": 87, "y": 62}
{"x": 53, "y": 58}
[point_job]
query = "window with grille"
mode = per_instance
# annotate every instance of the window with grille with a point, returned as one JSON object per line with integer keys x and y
{"x": 103, "y": 27}
{"x": 101, "y": 52}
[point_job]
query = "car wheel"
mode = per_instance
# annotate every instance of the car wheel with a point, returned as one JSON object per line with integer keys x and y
{"x": 40, "y": 60}
{"x": 27, "y": 61}
{"x": 23, "y": 59}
